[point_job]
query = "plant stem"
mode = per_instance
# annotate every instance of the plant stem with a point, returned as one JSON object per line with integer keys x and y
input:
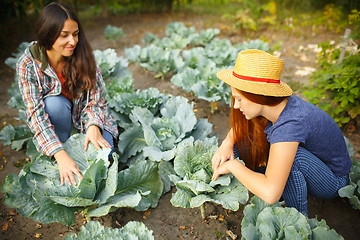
{"x": 2, "y": 166}
{"x": 203, "y": 213}
{"x": 214, "y": 107}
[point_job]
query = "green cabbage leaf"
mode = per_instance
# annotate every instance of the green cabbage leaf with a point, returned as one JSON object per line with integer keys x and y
{"x": 107, "y": 60}
{"x": 121, "y": 104}
{"x": 11, "y": 61}
{"x": 94, "y": 230}
{"x": 37, "y": 193}
{"x": 264, "y": 221}
{"x": 352, "y": 190}
{"x": 203, "y": 82}
{"x": 113, "y": 33}
{"x": 192, "y": 165}
{"x": 156, "y": 137}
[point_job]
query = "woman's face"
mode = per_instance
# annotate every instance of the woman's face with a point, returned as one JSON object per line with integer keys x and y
{"x": 246, "y": 107}
{"x": 66, "y": 42}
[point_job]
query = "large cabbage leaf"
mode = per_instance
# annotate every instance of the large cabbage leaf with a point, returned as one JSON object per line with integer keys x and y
{"x": 253, "y": 44}
{"x": 107, "y": 60}
{"x": 352, "y": 190}
{"x": 149, "y": 38}
{"x": 192, "y": 165}
{"x": 94, "y": 230}
{"x": 205, "y": 36}
{"x": 198, "y": 74}
{"x": 174, "y": 42}
{"x": 202, "y": 81}
{"x": 179, "y": 28}
{"x": 113, "y": 33}
{"x": 221, "y": 52}
{"x": 282, "y": 223}
{"x": 192, "y": 56}
{"x": 16, "y": 136}
{"x": 264, "y": 221}
{"x": 162, "y": 60}
{"x": 139, "y": 186}
{"x": 37, "y": 192}
{"x": 122, "y": 103}
{"x": 156, "y": 137}
{"x": 11, "y": 61}
{"x": 137, "y": 54}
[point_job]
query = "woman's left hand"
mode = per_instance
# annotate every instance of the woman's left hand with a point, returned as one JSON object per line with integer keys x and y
{"x": 223, "y": 169}
{"x": 93, "y": 134}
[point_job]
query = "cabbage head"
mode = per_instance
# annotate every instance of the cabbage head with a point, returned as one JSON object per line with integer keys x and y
{"x": 264, "y": 221}
{"x": 192, "y": 165}
{"x": 37, "y": 193}
{"x": 156, "y": 137}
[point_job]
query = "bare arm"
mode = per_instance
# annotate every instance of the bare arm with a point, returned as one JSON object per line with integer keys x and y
{"x": 269, "y": 186}
{"x": 224, "y": 152}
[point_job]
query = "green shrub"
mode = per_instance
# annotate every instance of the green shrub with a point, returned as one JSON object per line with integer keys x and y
{"x": 335, "y": 87}
{"x": 253, "y": 16}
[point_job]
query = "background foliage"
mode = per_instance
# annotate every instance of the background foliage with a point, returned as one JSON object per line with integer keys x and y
{"x": 335, "y": 86}
{"x": 16, "y": 8}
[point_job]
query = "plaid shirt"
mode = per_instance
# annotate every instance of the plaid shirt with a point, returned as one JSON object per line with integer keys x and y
{"x": 38, "y": 80}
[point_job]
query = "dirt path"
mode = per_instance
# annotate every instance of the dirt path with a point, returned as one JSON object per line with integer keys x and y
{"x": 166, "y": 221}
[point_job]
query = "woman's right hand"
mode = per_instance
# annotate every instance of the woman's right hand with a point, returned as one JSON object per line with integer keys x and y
{"x": 67, "y": 168}
{"x": 224, "y": 153}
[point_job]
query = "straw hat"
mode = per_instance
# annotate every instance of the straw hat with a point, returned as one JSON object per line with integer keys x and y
{"x": 257, "y": 72}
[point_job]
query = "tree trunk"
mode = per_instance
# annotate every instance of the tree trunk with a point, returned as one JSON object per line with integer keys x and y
{"x": 104, "y": 12}
{"x": 76, "y": 7}
{"x": 170, "y": 5}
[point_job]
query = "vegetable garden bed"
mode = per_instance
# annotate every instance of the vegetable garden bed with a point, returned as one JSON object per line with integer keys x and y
{"x": 165, "y": 220}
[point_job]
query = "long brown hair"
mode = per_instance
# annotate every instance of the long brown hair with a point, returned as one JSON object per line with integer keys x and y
{"x": 80, "y": 68}
{"x": 249, "y": 134}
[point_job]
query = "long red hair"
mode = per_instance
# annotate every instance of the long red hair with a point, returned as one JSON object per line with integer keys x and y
{"x": 249, "y": 134}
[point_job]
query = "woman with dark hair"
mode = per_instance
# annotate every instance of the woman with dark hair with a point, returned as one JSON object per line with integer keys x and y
{"x": 61, "y": 86}
{"x": 290, "y": 147}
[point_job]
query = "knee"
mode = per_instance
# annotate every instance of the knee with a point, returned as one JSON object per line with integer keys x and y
{"x": 56, "y": 105}
{"x": 109, "y": 138}
{"x": 302, "y": 159}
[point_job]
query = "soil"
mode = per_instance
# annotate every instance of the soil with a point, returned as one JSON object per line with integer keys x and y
{"x": 166, "y": 221}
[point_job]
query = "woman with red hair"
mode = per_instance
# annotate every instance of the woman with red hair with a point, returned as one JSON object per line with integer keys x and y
{"x": 290, "y": 147}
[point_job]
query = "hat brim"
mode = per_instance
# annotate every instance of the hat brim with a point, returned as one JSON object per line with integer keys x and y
{"x": 260, "y": 88}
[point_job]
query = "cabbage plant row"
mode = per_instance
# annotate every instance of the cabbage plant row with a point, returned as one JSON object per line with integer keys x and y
{"x": 193, "y": 58}
{"x": 152, "y": 125}
{"x": 161, "y": 144}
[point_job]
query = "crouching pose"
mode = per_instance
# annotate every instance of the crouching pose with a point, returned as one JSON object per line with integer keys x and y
{"x": 61, "y": 86}
{"x": 290, "y": 147}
